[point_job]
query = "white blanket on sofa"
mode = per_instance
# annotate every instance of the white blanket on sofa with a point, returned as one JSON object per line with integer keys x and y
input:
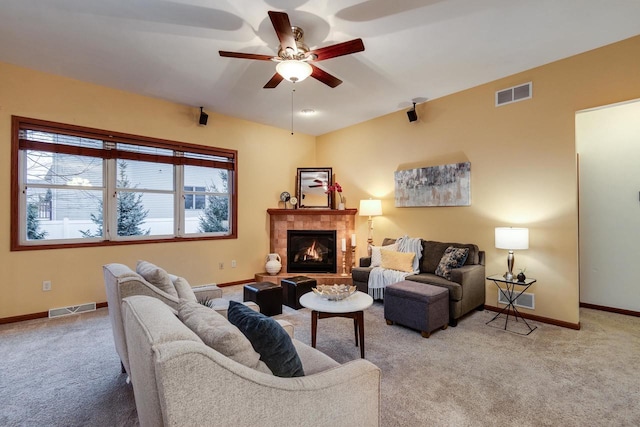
{"x": 380, "y": 277}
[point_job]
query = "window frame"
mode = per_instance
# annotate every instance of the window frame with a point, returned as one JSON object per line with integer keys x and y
{"x": 229, "y": 161}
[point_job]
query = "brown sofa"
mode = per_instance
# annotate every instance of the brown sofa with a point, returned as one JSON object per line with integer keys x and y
{"x": 467, "y": 284}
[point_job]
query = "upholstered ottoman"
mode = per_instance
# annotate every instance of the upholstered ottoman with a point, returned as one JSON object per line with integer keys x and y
{"x": 267, "y": 295}
{"x": 417, "y": 305}
{"x": 294, "y": 287}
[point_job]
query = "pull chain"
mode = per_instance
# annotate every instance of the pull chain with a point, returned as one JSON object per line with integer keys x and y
{"x": 292, "y": 92}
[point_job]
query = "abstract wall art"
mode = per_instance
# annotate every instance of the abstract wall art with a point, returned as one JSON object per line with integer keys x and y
{"x": 444, "y": 185}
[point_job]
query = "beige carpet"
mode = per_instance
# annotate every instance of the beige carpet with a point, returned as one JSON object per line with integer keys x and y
{"x": 65, "y": 371}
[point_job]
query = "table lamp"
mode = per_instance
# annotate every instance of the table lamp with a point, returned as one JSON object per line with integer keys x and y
{"x": 370, "y": 208}
{"x": 511, "y": 238}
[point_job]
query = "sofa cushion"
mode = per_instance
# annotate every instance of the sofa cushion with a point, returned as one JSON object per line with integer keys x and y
{"x": 216, "y": 332}
{"x": 455, "y": 289}
{"x": 376, "y": 256}
{"x": 400, "y": 261}
{"x": 157, "y": 277}
{"x": 452, "y": 258}
{"x": 432, "y": 254}
{"x": 268, "y": 338}
{"x": 184, "y": 290}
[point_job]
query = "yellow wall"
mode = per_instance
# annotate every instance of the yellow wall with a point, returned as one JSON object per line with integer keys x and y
{"x": 76, "y": 274}
{"x": 523, "y": 166}
{"x": 523, "y": 172}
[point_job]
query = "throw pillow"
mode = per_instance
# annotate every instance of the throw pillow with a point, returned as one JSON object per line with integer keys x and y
{"x": 157, "y": 277}
{"x": 401, "y": 261}
{"x": 376, "y": 257}
{"x": 269, "y": 339}
{"x": 184, "y": 290}
{"x": 216, "y": 332}
{"x": 452, "y": 258}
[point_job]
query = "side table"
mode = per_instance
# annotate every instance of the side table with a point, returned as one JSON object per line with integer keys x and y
{"x": 511, "y": 295}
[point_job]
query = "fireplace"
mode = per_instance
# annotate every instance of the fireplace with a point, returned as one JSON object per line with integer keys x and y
{"x": 311, "y": 251}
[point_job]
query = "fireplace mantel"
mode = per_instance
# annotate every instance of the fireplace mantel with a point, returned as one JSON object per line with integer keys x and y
{"x": 273, "y": 212}
{"x": 281, "y": 220}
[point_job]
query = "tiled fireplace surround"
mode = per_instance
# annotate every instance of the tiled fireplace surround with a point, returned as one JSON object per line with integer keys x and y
{"x": 281, "y": 220}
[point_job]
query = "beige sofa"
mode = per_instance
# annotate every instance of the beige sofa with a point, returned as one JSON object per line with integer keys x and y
{"x": 178, "y": 380}
{"x": 120, "y": 282}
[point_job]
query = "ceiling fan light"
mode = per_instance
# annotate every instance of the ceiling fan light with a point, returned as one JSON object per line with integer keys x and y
{"x": 293, "y": 70}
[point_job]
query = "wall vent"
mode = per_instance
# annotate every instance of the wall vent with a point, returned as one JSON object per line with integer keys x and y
{"x": 525, "y": 300}
{"x": 72, "y": 309}
{"x": 514, "y": 94}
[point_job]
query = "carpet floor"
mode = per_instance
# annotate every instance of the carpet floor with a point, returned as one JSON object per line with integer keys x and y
{"x": 65, "y": 371}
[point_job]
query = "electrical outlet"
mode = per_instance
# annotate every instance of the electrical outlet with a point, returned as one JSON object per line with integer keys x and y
{"x": 221, "y": 266}
{"x": 233, "y": 263}
{"x": 46, "y": 285}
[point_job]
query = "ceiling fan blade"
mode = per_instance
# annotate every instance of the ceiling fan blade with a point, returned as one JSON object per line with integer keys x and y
{"x": 275, "y": 81}
{"x": 339, "y": 49}
{"x": 245, "y": 55}
{"x": 281, "y": 24}
{"x": 324, "y": 77}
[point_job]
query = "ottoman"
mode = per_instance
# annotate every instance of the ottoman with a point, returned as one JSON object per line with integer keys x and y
{"x": 417, "y": 305}
{"x": 267, "y": 295}
{"x": 294, "y": 287}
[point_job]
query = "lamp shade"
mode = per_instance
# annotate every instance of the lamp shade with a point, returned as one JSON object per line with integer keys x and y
{"x": 370, "y": 207}
{"x": 512, "y": 238}
{"x": 294, "y": 71}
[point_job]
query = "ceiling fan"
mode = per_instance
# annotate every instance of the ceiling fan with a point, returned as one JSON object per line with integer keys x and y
{"x": 294, "y": 59}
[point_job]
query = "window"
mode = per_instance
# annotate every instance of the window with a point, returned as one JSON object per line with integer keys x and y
{"x": 74, "y": 186}
{"x": 194, "y": 197}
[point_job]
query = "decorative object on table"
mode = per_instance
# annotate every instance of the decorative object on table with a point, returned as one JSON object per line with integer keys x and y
{"x": 312, "y": 184}
{"x": 511, "y": 238}
{"x": 370, "y": 208}
{"x": 334, "y": 292}
{"x": 344, "y": 257}
{"x": 294, "y": 202}
{"x": 274, "y": 264}
{"x": 353, "y": 251}
{"x": 338, "y": 189}
{"x": 285, "y": 197}
{"x": 521, "y": 277}
{"x": 445, "y": 185}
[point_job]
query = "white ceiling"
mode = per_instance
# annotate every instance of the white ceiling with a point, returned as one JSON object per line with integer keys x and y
{"x": 414, "y": 49}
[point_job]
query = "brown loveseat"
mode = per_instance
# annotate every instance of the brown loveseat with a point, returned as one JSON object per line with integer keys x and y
{"x": 467, "y": 284}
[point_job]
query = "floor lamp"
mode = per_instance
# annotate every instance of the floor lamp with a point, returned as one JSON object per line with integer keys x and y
{"x": 511, "y": 238}
{"x": 370, "y": 208}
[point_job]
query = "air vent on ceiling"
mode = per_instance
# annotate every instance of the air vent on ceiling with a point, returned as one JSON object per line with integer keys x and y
{"x": 65, "y": 311}
{"x": 514, "y": 94}
{"x": 525, "y": 300}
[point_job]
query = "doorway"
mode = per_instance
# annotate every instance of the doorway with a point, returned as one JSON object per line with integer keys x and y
{"x": 608, "y": 146}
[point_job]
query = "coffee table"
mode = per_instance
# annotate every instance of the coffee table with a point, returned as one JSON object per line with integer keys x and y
{"x": 352, "y": 307}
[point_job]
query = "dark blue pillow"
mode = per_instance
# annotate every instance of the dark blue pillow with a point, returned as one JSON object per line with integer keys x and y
{"x": 268, "y": 338}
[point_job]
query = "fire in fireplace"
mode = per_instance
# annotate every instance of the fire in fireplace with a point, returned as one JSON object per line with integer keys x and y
{"x": 311, "y": 251}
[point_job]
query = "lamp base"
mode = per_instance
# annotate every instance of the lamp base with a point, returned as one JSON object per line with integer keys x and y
{"x": 508, "y": 276}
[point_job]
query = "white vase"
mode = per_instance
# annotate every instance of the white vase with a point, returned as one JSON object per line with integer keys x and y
{"x": 340, "y": 206}
{"x": 274, "y": 264}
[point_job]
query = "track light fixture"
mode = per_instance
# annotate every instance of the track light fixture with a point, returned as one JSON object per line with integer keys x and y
{"x": 413, "y": 116}
{"x": 203, "y": 117}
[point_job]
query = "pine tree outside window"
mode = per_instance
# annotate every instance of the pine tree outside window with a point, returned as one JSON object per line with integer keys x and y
{"x": 74, "y": 186}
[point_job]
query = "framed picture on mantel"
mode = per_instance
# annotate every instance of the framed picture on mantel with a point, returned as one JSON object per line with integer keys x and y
{"x": 312, "y": 184}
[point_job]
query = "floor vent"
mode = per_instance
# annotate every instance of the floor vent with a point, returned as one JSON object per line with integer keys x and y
{"x": 526, "y": 300}
{"x": 514, "y": 94}
{"x": 74, "y": 309}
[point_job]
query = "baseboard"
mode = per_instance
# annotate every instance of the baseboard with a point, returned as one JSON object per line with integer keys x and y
{"x": 33, "y": 316}
{"x": 239, "y": 282}
{"x": 610, "y": 309}
{"x": 539, "y": 318}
